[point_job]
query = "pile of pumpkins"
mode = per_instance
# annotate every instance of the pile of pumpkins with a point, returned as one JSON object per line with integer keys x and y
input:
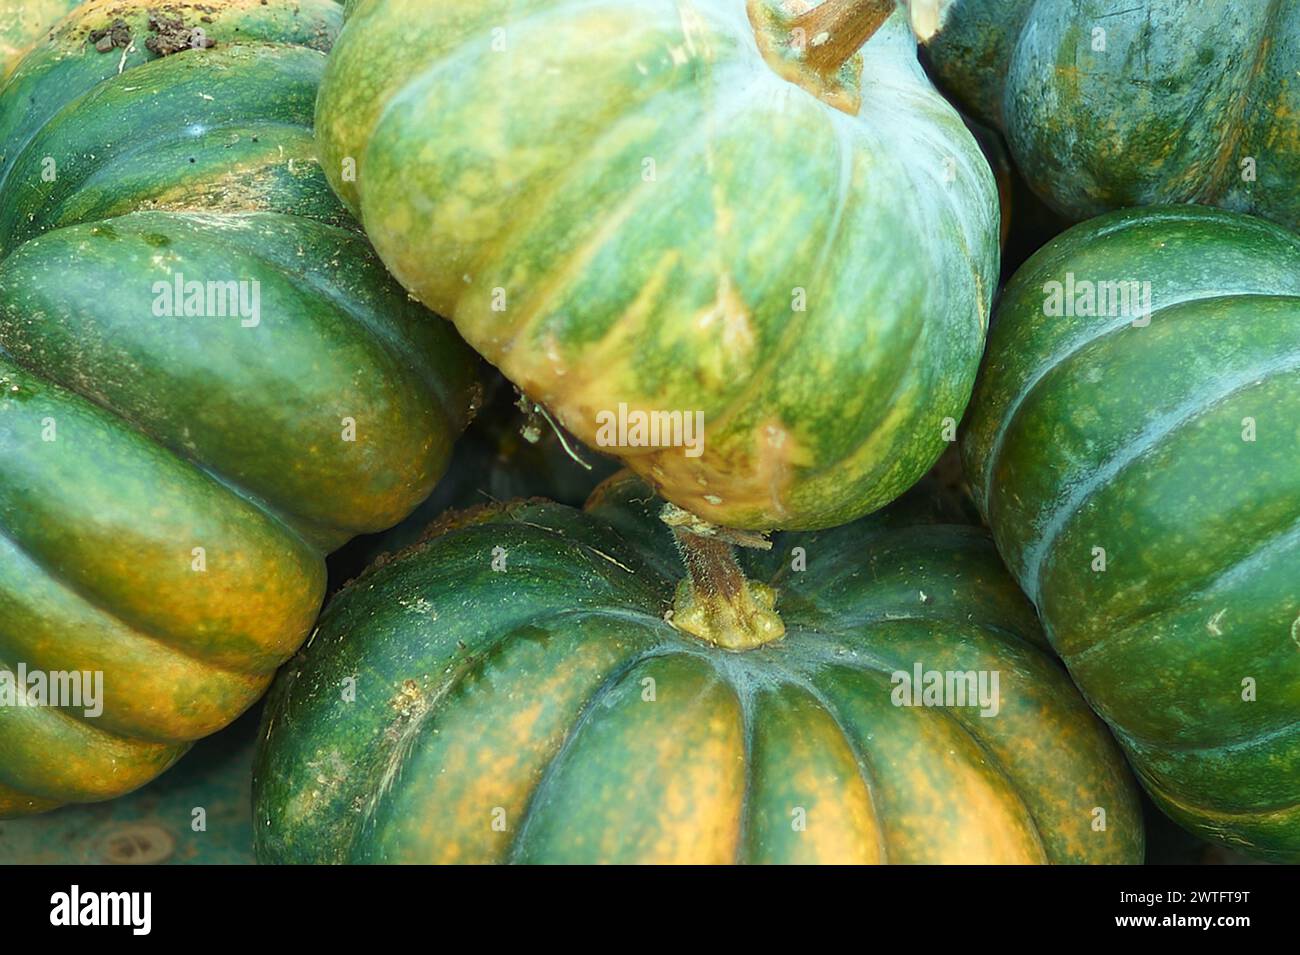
{"x": 229, "y": 228}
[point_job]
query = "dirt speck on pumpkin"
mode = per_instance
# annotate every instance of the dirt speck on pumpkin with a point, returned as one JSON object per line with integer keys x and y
{"x": 117, "y": 35}
{"x": 409, "y": 701}
{"x": 171, "y": 35}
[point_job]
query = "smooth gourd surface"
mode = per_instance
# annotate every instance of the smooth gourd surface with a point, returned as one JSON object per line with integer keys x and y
{"x": 1107, "y": 105}
{"x": 509, "y": 691}
{"x": 623, "y": 202}
{"x": 170, "y": 482}
{"x": 1143, "y": 484}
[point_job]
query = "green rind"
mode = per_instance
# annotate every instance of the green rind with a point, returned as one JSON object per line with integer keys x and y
{"x": 64, "y": 64}
{"x": 264, "y": 406}
{"x": 206, "y": 148}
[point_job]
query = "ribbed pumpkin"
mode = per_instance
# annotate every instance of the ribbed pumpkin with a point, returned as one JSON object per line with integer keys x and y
{"x": 1143, "y": 483}
{"x": 671, "y": 207}
{"x": 510, "y": 691}
{"x": 1107, "y": 104}
{"x": 171, "y": 481}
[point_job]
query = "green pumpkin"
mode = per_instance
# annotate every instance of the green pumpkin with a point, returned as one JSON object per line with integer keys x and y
{"x": 510, "y": 690}
{"x": 176, "y": 461}
{"x": 1143, "y": 484}
{"x": 666, "y": 207}
{"x": 1107, "y": 104}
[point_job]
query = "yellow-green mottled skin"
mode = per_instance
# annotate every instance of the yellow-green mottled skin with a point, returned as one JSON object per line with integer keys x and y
{"x": 1174, "y": 447}
{"x": 21, "y": 23}
{"x": 624, "y": 202}
{"x": 447, "y": 711}
{"x": 128, "y": 438}
{"x": 1109, "y": 104}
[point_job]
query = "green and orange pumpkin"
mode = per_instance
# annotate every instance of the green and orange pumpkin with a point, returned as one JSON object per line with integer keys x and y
{"x": 171, "y": 477}
{"x": 536, "y": 683}
{"x": 684, "y": 208}
{"x": 1139, "y": 465}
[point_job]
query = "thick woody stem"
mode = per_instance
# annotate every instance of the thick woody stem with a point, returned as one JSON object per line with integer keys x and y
{"x": 835, "y": 30}
{"x": 717, "y": 603}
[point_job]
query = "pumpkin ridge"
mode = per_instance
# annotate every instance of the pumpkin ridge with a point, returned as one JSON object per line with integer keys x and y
{"x": 428, "y": 67}
{"x": 843, "y": 194}
{"x": 160, "y": 661}
{"x": 1127, "y": 625}
{"x": 516, "y": 846}
{"x": 875, "y": 535}
{"x": 525, "y": 327}
{"x": 294, "y": 66}
{"x": 72, "y": 716}
{"x": 129, "y": 150}
{"x": 385, "y": 334}
{"x": 1097, "y": 230}
{"x": 967, "y": 729}
{"x": 555, "y": 186}
{"x": 861, "y": 756}
{"x": 88, "y": 734}
{"x": 843, "y": 122}
{"x": 145, "y": 633}
{"x": 1283, "y": 810}
{"x": 242, "y": 236}
{"x": 75, "y": 385}
{"x": 1001, "y": 783}
{"x": 779, "y": 355}
{"x": 66, "y": 42}
{"x": 1073, "y": 350}
{"x": 748, "y": 730}
{"x": 822, "y": 655}
{"x": 108, "y": 417}
{"x": 393, "y": 754}
{"x": 227, "y": 193}
{"x": 1145, "y": 442}
{"x": 781, "y": 347}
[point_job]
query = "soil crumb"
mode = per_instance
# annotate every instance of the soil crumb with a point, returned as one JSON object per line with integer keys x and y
{"x": 117, "y": 35}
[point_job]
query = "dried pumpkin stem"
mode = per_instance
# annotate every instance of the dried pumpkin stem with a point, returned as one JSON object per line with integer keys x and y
{"x": 717, "y": 602}
{"x": 835, "y": 30}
